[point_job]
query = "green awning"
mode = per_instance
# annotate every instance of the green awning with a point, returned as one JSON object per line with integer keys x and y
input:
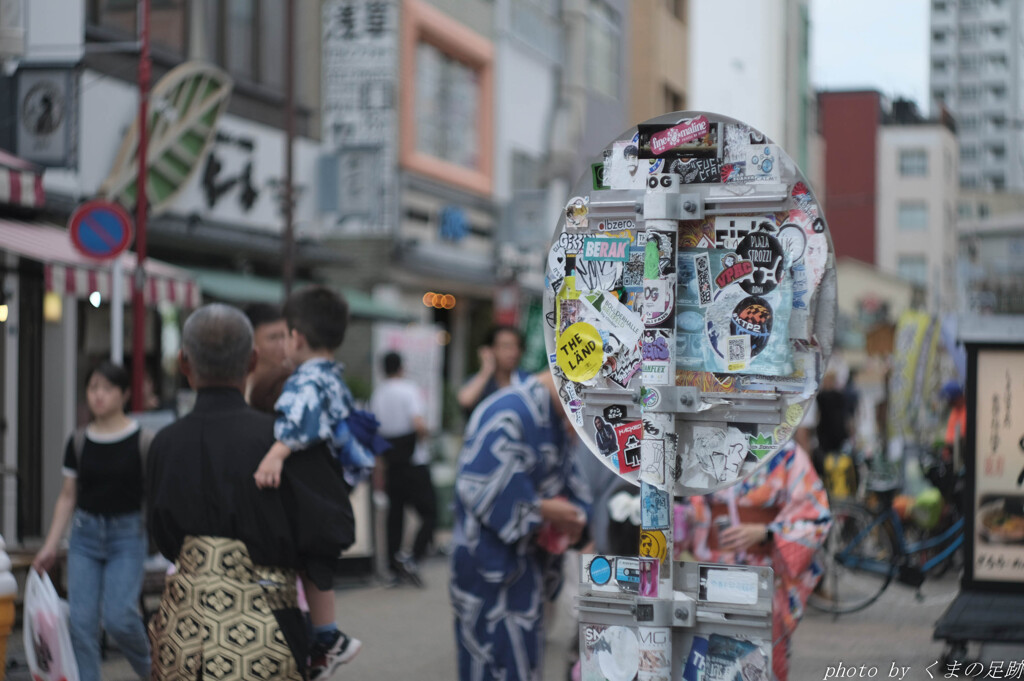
{"x": 237, "y": 288}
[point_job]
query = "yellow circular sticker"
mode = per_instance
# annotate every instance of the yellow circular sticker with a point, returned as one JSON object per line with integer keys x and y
{"x": 653, "y": 544}
{"x": 580, "y": 353}
{"x": 794, "y": 414}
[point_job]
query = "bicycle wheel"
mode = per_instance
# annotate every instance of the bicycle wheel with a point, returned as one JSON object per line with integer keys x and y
{"x": 859, "y": 559}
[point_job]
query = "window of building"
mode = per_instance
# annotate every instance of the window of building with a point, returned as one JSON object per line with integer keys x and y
{"x": 939, "y": 36}
{"x": 968, "y": 153}
{"x": 604, "y": 37}
{"x": 969, "y": 63}
{"x": 447, "y": 107}
{"x": 982, "y": 210}
{"x": 673, "y": 100}
{"x": 969, "y": 124}
{"x": 963, "y": 210}
{"x": 997, "y": 151}
{"x": 998, "y": 62}
{"x": 677, "y": 8}
{"x": 969, "y": 93}
{"x": 997, "y": 182}
{"x": 912, "y": 215}
{"x": 913, "y": 268}
{"x": 939, "y": 65}
{"x": 969, "y": 34}
{"x": 245, "y": 37}
{"x": 168, "y": 21}
{"x": 446, "y": 115}
{"x": 939, "y": 94}
{"x": 939, "y": 5}
{"x": 913, "y": 162}
{"x": 998, "y": 92}
{"x": 968, "y": 182}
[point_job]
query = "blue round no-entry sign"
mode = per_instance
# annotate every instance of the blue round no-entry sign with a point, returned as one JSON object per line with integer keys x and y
{"x": 100, "y": 229}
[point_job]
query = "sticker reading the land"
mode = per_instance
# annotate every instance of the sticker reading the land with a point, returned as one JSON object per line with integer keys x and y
{"x": 580, "y": 353}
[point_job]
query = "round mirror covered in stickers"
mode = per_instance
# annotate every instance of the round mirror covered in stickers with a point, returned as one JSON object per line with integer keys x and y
{"x": 690, "y": 298}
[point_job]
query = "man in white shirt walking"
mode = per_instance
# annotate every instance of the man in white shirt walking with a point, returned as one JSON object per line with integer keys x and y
{"x": 399, "y": 407}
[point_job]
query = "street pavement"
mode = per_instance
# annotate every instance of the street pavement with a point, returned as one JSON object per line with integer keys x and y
{"x": 407, "y": 634}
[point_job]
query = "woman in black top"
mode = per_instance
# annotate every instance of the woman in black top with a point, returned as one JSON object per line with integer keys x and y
{"x": 102, "y": 500}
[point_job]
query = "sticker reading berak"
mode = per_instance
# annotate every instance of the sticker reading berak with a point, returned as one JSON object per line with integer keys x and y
{"x": 687, "y": 131}
{"x": 580, "y": 353}
{"x": 606, "y": 249}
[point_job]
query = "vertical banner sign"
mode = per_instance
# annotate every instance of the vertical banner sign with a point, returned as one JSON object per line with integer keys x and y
{"x": 999, "y": 467}
{"x": 360, "y": 115}
{"x": 421, "y": 361}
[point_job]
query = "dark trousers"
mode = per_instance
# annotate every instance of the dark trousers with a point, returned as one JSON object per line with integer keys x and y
{"x": 409, "y": 485}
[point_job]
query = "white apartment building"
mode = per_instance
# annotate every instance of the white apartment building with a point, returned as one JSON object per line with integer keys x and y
{"x": 917, "y": 204}
{"x": 763, "y": 81}
{"x": 977, "y": 58}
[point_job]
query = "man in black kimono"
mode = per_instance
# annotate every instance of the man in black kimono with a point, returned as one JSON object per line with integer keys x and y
{"x": 230, "y": 611}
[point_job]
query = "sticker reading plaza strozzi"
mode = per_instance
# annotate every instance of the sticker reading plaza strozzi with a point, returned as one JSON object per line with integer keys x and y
{"x": 580, "y": 354}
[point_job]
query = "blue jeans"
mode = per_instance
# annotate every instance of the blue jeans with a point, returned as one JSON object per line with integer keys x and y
{"x": 105, "y": 579}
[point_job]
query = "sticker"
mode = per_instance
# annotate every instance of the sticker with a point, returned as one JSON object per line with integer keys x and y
{"x": 604, "y": 436}
{"x": 651, "y": 259}
{"x": 600, "y": 570}
{"x": 657, "y": 356}
{"x": 627, "y": 573}
{"x": 609, "y": 652}
{"x": 697, "y": 170}
{"x": 762, "y": 444}
{"x": 719, "y": 453}
{"x": 737, "y": 356}
{"x": 702, "y": 272}
{"x": 659, "y": 301}
{"x": 649, "y": 397}
{"x": 597, "y": 177}
{"x": 622, "y": 167}
{"x": 766, "y": 255}
{"x": 622, "y": 367}
{"x": 688, "y": 130}
{"x": 696, "y": 660}
{"x": 615, "y": 413}
{"x": 653, "y": 544}
{"x": 576, "y": 213}
{"x": 624, "y": 324}
{"x": 654, "y": 507}
{"x": 655, "y": 653}
{"x": 759, "y": 165}
{"x": 752, "y": 318}
{"x": 615, "y": 225}
{"x": 729, "y": 231}
{"x": 649, "y": 577}
{"x": 604, "y": 249}
{"x": 652, "y": 453}
{"x": 793, "y": 240}
{"x": 598, "y": 275}
{"x": 794, "y": 414}
{"x": 580, "y": 353}
{"x": 737, "y": 587}
{"x": 628, "y": 437}
{"x": 733, "y": 269}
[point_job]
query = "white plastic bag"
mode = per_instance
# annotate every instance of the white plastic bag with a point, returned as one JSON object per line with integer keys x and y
{"x": 48, "y": 648}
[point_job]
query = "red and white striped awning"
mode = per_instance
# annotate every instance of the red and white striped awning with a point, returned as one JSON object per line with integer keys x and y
{"x": 21, "y": 182}
{"x": 69, "y": 272}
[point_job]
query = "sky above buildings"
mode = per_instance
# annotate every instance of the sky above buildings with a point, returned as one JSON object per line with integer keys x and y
{"x": 871, "y": 44}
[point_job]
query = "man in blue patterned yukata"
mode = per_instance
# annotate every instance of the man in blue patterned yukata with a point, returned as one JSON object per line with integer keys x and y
{"x": 519, "y": 499}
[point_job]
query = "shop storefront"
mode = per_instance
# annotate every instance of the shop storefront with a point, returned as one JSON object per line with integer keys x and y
{"x": 56, "y": 324}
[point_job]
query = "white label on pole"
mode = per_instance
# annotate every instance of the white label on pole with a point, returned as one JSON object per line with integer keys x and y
{"x": 732, "y": 586}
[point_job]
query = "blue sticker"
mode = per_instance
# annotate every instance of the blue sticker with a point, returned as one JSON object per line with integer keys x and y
{"x": 600, "y": 570}
{"x": 654, "y": 507}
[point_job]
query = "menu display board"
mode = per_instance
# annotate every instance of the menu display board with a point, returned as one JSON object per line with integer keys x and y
{"x": 998, "y": 489}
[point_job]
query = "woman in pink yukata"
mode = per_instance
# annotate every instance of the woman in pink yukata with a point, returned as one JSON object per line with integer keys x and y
{"x": 783, "y": 519}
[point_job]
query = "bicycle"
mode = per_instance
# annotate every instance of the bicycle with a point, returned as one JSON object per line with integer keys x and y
{"x": 865, "y": 551}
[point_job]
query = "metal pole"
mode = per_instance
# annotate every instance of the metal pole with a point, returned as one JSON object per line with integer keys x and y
{"x": 139, "y": 280}
{"x": 117, "y": 310}
{"x": 288, "y": 264}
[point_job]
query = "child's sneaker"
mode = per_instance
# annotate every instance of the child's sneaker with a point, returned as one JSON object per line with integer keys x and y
{"x": 325, "y": 658}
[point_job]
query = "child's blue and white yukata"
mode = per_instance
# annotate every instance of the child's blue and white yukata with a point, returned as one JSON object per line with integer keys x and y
{"x": 314, "y": 406}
